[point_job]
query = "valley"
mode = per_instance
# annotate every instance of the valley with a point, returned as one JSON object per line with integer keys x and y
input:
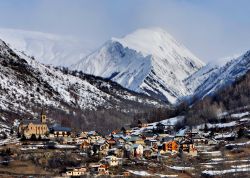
{"x": 140, "y": 105}
{"x": 212, "y": 150}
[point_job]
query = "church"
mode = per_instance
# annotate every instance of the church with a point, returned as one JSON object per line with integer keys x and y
{"x": 38, "y": 127}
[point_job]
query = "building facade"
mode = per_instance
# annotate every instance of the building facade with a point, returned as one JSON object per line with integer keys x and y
{"x": 37, "y": 127}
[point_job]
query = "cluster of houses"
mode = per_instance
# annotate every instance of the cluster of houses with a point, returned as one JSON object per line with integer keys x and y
{"x": 142, "y": 142}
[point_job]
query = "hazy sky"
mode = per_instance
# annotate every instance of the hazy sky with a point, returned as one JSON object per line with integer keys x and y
{"x": 211, "y": 29}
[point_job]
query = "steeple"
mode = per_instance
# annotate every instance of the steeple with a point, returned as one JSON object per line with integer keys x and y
{"x": 43, "y": 117}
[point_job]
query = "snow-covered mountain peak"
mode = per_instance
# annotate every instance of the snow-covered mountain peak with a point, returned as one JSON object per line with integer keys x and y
{"x": 46, "y": 48}
{"x": 148, "y": 60}
{"x": 154, "y": 41}
{"x": 4, "y": 49}
{"x": 148, "y": 41}
{"x": 215, "y": 76}
{"x": 26, "y": 85}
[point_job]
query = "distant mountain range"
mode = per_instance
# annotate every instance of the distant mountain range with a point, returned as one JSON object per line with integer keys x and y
{"x": 151, "y": 61}
{"x": 46, "y": 48}
{"x": 211, "y": 78}
{"x": 27, "y": 86}
{"x": 148, "y": 61}
{"x": 145, "y": 69}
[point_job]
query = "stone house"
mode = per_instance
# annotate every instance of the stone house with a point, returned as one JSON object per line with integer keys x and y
{"x": 120, "y": 141}
{"x": 99, "y": 169}
{"x": 170, "y": 146}
{"x": 85, "y": 145}
{"x": 151, "y": 142}
{"x": 112, "y": 160}
{"x": 111, "y": 142}
{"x": 137, "y": 150}
{"x": 103, "y": 170}
{"x": 136, "y": 140}
{"x": 198, "y": 139}
{"x": 93, "y": 138}
{"x": 187, "y": 147}
{"x": 83, "y": 135}
{"x": 147, "y": 152}
{"x": 100, "y": 147}
{"x": 59, "y": 131}
{"x": 78, "y": 171}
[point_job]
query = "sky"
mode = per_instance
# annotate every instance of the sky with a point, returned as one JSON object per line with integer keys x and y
{"x": 211, "y": 29}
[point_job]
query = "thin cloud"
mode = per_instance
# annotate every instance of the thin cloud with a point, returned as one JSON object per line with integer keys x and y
{"x": 210, "y": 29}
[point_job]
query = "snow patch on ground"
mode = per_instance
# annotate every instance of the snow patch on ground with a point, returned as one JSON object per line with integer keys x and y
{"x": 220, "y": 172}
{"x": 180, "y": 168}
{"x": 170, "y": 121}
{"x": 240, "y": 115}
{"x": 139, "y": 173}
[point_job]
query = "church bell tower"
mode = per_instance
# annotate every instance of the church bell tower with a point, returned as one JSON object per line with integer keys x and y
{"x": 43, "y": 117}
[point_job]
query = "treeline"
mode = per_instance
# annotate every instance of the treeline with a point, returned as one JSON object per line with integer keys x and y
{"x": 207, "y": 110}
{"x": 229, "y": 98}
{"x": 158, "y": 114}
{"x": 101, "y": 120}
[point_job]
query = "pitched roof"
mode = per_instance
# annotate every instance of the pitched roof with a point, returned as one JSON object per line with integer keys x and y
{"x": 165, "y": 139}
{"x": 126, "y": 127}
{"x": 132, "y": 139}
{"x": 142, "y": 121}
{"x": 60, "y": 128}
{"x": 160, "y": 124}
{"x": 197, "y": 137}
{"x": 149, "y": 134}
{"x": 136, "y": 145}
{"x": 34, "y": 121}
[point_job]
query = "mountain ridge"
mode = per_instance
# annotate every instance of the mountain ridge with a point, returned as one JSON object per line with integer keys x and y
{"x": 45, "y": 47}
{"x": 211, "y": 78}
{"x": 148, "y": 61}
{"x": 27, "y": 85}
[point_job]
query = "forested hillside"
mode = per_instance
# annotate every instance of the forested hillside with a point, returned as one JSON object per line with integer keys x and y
{"x": 233, "y": 98}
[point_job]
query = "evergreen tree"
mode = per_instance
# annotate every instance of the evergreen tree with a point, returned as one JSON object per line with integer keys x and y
{"x": 23, "y": 138}
{"x": 33, "y": 137}
{"x": 240, "y": 133}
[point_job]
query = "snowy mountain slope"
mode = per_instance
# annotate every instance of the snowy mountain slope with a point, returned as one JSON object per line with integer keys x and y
{"x": 148, "y": 61}
{"x": 212, "y": 78}
{"x": 199, "y": 77}
{"x": 46, "y": 48}
{"x": 26, "y": 85}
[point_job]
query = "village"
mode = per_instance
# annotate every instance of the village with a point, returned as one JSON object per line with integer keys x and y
{"x": 149, "y": 149}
